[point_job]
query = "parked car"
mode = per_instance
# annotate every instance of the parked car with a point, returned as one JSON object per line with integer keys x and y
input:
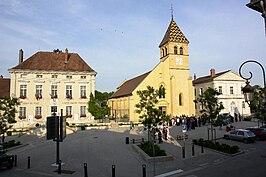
{"x": 6, "y": 160}
{"x": 263, "y": 127}
{"x": 259, "y": 132}
{"x": 240, "y": 135}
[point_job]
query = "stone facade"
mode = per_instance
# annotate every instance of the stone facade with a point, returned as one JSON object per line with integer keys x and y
{"x": 50, "y": 81}
{"x": 229, "y": 84}
{"x": 171, "y": 73}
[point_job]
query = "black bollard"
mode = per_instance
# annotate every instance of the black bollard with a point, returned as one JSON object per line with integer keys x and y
{"x": 85, "y": 170}
{"x": 28, "y": 162}
{"x": 202, "y": 151}
{"x": 15, "y": 160}
{"x": 127, "y": 140}
{"x": 113, "y": 170}
{"x": 183, "y": 152}
{"x": 193, "y": 150}
{"x": 59, "y": 167}
{"x": 144, "y": 170}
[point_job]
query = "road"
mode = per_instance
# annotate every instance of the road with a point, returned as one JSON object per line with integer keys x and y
{"x": 249, "y": 164}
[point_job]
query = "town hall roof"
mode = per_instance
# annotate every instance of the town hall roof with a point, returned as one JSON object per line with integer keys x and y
{"x": 209, "y": 78}
{"x": 129, "y": 86}
{"x": 173, "y": 34}
{"x": 4, "y": 87}
{"x": 54, "y": 61}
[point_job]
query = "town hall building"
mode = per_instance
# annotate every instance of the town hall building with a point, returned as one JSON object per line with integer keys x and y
{"x": 171, "y": 74}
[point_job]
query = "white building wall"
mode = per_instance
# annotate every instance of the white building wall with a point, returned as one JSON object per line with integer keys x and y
{"x": 29, "y": 78}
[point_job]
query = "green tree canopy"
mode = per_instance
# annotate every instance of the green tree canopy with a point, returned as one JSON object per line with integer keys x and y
{"x": 98, "y": 104}
{"x": 209, "y": 101}
{"x": 147, "y": 106}
{"x": 258, "y": 105}
{"x": 7, "y": 114}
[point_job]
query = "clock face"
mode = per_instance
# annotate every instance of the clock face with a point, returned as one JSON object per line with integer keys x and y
{"x": 179, "y": 61}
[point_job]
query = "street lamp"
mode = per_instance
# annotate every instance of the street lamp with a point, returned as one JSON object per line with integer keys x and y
{"x": 248, "y": 90}
{"x": 260, "y": 6}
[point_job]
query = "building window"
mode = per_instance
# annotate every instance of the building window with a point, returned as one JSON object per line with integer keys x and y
{"x": 195, "y": 92}
{"x": 181, "y": 50}
{"x": 69, "y": 77}
{"x": 53, "y": 91}
{"x": 23, "y": 91}
{"x": 201, "y": 91}
{"x": 180, "y": 99}
{"x": 69, "y": 91}
{"x": 68, "y": 111}
{"x": 243, "y": 105}
{"x": 38, "y": 76}
{"x": 161, "y": 92}
{"x": 175, "y": 50}
{"x": 82, "y": 111}
{"x": 220, "y": 89}
{"x": 38, "y": 93}
{"x": 82, "y": 77}
{"x": 165, "y": 51}
{"x": 22, "y": 113}
{"x": 53, "y": 110}
{"x": 231, "y": 90}
{"x": 54, "y": 76}
{"x": 38, "y": 112}
{"x": 83, "y": 91}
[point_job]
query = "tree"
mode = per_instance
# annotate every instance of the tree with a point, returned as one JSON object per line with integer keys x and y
{"x": 98, "y": 104}
{"x": 258, "y": 105}
{"x": 210, "y": 106}
{"x": 7, "y": 114}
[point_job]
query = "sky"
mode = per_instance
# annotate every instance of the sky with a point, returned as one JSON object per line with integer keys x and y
{"x": 120, "y": 39}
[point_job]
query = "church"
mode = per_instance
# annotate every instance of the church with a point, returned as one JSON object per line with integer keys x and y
{"x": 171, "y": 74}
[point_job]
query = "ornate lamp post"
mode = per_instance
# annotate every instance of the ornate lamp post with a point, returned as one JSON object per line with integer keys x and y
{"x": 248, "y": 90}
{"x": 260, "y": 6}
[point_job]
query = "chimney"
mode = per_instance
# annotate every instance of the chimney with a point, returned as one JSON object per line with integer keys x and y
{"x": 66, "y": 56}
{"x": 195, "y": 77}
{"x": 20, "y": 56}
{"x": 212, "y": 71}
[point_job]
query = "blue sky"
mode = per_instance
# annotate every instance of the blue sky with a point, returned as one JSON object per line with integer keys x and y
{"x": 119, "y": 38}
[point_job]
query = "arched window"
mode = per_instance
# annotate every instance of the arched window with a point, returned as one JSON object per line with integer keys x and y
{"x": 175, "y": 50}
{"x": 181, "y": 50}
{"x": 180, "y": 99}
{"x": 161, "y": 92}
{"x": 165, "y": 51}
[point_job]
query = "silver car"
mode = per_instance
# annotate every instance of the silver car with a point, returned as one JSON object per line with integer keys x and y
{"x": 240, "y": 135}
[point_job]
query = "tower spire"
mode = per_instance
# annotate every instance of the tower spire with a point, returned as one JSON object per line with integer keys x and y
{"x": 172, "y": 12}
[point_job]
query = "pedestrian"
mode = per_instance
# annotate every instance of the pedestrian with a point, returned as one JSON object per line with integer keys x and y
{"x": 160, "y": 137}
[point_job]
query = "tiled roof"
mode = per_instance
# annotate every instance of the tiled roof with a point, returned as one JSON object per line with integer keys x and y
{"x": 54, "y": 61}
{"x": 129, "y": 86}
{"x": 173, "y": 34}
{"x": 4, "y": 87}
{"x": 206, "y": 79}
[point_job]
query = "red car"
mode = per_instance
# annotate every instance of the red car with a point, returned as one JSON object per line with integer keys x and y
{"x": 259, "y": 132}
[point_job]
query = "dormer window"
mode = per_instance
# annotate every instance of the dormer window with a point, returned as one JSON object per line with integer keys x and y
{"x": 175, "y": 50}
{"x": 38, "y": 76}
{"x": 69, "y": 77}
{"x": 181, "y": 50}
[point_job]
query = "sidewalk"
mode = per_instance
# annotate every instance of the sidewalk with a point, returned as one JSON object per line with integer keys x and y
{"x": 101, "y": 149}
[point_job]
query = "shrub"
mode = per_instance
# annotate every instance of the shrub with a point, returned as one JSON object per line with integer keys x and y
{"x": 11, "y": 143}
{"x": 147, "y": 147}
{"x": 217, "y": 146}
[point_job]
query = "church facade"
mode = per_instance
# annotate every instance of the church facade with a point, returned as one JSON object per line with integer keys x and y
{"x": 171, "y": 74}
